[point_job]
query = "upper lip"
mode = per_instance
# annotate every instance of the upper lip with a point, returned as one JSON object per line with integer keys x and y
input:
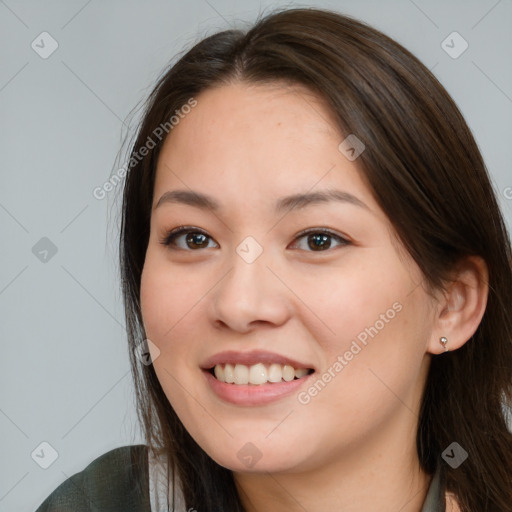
{"x": 251, "y": 358}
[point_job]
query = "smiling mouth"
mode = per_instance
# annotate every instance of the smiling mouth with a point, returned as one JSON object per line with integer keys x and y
{"x": 257, "y": 374}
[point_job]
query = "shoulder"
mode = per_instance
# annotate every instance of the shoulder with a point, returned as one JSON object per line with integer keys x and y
{"x": 117, "y": 480}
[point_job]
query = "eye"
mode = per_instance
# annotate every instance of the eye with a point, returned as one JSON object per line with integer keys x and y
{"x": 193, "y": 238}
{"x": 319, "y": 240}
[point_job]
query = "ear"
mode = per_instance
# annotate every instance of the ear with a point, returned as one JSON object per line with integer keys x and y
{"x": 461, "y": 306}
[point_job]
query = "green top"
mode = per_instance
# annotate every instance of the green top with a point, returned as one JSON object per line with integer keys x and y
{"x": 115, "y": 481}
{"x": 119, "y": 481}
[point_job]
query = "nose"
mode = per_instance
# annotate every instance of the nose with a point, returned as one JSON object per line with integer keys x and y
{"x": 250, "y": 294}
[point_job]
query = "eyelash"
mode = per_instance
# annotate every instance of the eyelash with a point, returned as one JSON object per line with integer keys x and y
{"x": 171, "y": 236}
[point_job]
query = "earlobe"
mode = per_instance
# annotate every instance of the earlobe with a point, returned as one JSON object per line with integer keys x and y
{"x": 461, "y": 306}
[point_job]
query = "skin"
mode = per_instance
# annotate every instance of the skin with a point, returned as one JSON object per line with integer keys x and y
{"x": 352, "y": 447}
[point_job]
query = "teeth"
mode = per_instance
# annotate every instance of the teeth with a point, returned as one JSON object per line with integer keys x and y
{"x": 220, "y": 373}
{"x": 229, "y": 374}
{"x": 241, "y": 374}
{"x": 257, "y": 373}
{"x": 288, "y": 373}
{"x": 301, "y": 372}
{"x": 275, "y": 373}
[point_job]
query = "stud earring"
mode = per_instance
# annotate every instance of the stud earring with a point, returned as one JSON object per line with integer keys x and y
{"x": 443, "y": 342}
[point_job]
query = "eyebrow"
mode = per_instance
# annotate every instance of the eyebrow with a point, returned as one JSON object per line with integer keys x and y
{"x": 292, "y": 202}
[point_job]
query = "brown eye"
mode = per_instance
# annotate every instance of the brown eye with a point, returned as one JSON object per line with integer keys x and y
{"x": 196, "y": 240}
{"x": 318, "y": 241}
{"x": 186, "y": 239}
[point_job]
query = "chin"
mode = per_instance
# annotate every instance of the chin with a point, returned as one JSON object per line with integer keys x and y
{"x": 263, "y": 465}
{"x": 255, "y": 457}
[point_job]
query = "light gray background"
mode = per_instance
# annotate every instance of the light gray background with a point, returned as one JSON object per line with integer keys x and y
{"x": 64, "y": 364}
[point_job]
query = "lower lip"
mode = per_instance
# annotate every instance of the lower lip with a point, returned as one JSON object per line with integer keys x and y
{"x": 251, "y": 394}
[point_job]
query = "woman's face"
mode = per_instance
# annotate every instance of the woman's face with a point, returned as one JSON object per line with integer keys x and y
{"x": 243, "y": 286}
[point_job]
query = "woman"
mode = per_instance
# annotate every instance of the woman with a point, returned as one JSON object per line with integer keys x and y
{"x": 313, "y": 257}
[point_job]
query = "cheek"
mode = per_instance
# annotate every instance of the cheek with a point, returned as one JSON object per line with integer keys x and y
{"x": 362, "y": 296}
{"x": 378, "y": 325}
{"x": 171, "y": 305}
{"x": 167, "y": 296}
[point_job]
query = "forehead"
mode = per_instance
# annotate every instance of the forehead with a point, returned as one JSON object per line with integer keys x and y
{"x": 277, "y": 101}
{"x": 238, "y": 111}
{"x": 253, "y": 138}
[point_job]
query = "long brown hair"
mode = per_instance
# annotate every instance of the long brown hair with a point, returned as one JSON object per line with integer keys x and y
{"x": 427, "y": 174}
